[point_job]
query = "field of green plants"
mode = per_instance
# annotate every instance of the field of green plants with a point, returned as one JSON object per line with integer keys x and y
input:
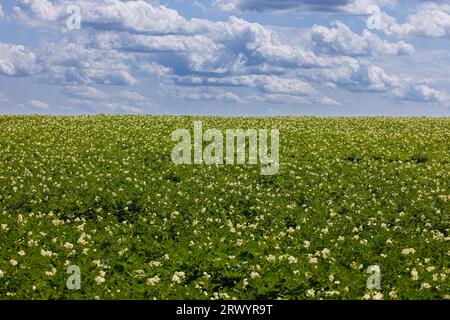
{"x": 101, "y": 193}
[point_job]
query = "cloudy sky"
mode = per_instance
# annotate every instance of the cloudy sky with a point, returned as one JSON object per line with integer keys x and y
{"x": 225, "y": 57}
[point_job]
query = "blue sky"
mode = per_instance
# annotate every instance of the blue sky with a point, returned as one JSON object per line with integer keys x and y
{"x": 233, "y": 57}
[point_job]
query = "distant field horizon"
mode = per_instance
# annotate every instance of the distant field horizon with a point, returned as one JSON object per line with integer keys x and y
{"x": 221, "y": 116}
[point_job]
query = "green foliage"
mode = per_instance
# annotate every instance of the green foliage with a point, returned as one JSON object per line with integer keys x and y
{"x": 102, "y": 193}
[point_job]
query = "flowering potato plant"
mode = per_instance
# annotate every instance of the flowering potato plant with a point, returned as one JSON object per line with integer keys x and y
{"x": 102, "y": 194}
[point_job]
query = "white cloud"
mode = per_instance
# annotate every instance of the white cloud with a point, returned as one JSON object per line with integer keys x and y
{"x": 273, "y": 90}
{"x": 36, "y": 12}
{"x": 133, "y": 16}
{"x": 120, "y": 37}
{"x": 430, "y": 20}
{"x": 289, "y": 99}
{"x": 286, "y": 86}
{"x": 419, "y": 93}
{"x": 2, "y": 14}
{"x": 84, "y": 97}
{"x": 359, "y": 7}
{"x": 371, "y": 78}
{"x": 207, "y": 94}
{"x": 267, "y": 84}
{"x": 72, "y": 63}
{"x": 82, "y": 92}
{"x": 16, "y": 60}
{"x": 204, "y": 45}
{"x": 197, "y": 52}
{"x": 156, "y": 69}
{"x": 121, "y": 108}
{"x": 342, "y": 41}
{"x": 131, "y": 96}
{"x": 38, "y": 105}
{"x": 374, "y": 79}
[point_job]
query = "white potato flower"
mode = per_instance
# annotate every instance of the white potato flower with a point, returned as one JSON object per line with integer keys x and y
{"x": 408, "y": 251}
{"x": 313, "y": 260}
{"x": 414, "y": 275}
{"x": 292, "y": 259}
{"x": 68, "y": 245}
{"x": 46, "y": 253}
{"x": 178, "y": 277}
{"x": 153, "y": 281}
{"x": 99, "y": 280}
{"x": 378, "y": 296}
{"x": 51, "y": 273}
{"x": 393, "y": 294}
{"x": 425, "y": 285}
{"x": 155, "y": 264}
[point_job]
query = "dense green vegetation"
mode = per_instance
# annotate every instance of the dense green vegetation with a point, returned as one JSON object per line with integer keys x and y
{"x": 102, "y": 193}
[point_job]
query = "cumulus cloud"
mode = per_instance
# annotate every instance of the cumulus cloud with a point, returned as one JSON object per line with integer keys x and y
{"x": 430, "y": 20}
{"x": 286, "y": 86}
{"x": 207, "y": 45}
{"x": 156, "y": 69}
{"x": 289, "y": 99}
{"x": 83, "y": 92}
{"x": 93, "y": 98}
{"x": 38, "y": 105}
{"x": 373, "y": 78}
{"x": 267, "y": 84}
{"x": 133, "y": 16}
{"x": 131, "y": 96}
{"x": 72, "y": 63}
{"x": 272, "y": 89}
{"x": 16, "y": 60}
{"x": 342, "y": 41}
{"x": 36, "y": 12}
{"x": 122, "y": 37}
{"x": 2, "y": 14}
